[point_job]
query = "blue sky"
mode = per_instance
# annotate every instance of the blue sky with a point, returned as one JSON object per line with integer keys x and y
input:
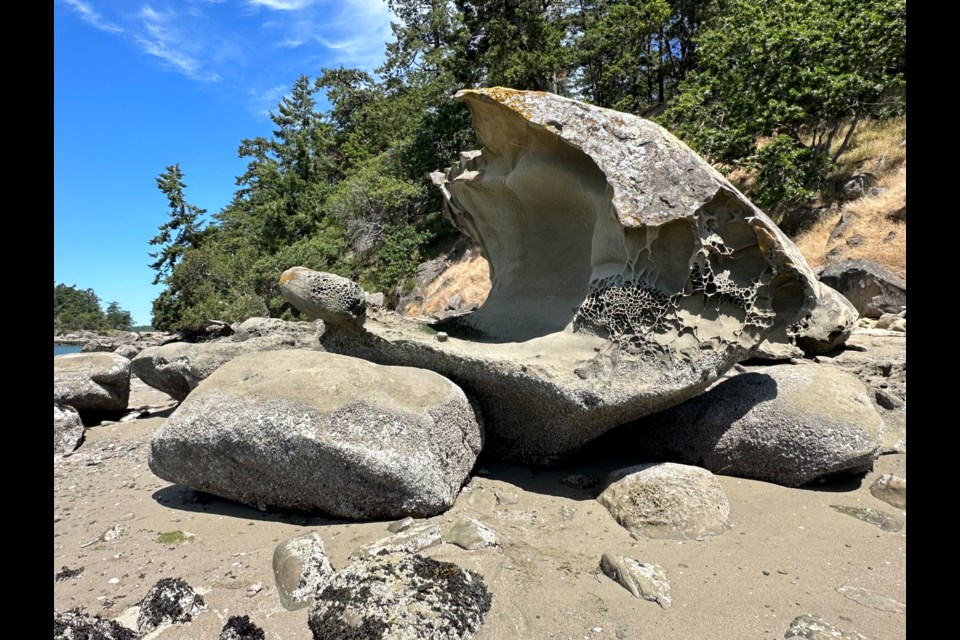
{"x": 139, "y": 86}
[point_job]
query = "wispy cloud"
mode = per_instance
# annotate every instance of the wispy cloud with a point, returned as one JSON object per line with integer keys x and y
{"x": 160, "y": 38}
{"x": 92, "y": 17}
{"x": 282, "y": 5}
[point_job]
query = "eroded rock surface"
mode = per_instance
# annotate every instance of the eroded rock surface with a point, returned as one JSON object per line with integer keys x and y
{"x": 627, "y": 274}
{"x": 401, "y": 597}
{"x": 177, "y": 368}
{"x": 788, "y": 424}
{"x": 828, "y": 326}
{"x": 308, "y": 430}
{"x": 91, "y": 381}
{"x": 667, "y": 501}
{"x": 324, "y": 296}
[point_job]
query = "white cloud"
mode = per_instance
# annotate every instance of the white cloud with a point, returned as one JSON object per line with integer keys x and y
{"x": 90, "y": 15}
{"x": 282, "y": 5}
{"x": 160, "y": 38}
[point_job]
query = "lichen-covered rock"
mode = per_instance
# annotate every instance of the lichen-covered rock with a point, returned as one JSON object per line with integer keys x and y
{"x": 667, "y": 501}
{"x": 400, "y": 597}
{"x": 177, "y": 368}
{"x": 91, "y": 381}
{"x": 788, "y": 424}
{"x": 324, "y": 296}
{"x": 891, "y": 489}
{"x": 647, "y": 581}
{"x": 872, "y": 289}
{"x": 67, "y": 429}
{"x": 308, "y": 430}
{"x": 241, "y": 628}
{"x": 300, "y": 569}
{"x": 410, "y": 540}
{"x": 77, "y": 625}
{"x": 169, "y": 601}
{"x": 828, "y": 326}
{"x": 811, "y": 627}
{"x": 471, "y": 534}
{"x": 627, "y": 274}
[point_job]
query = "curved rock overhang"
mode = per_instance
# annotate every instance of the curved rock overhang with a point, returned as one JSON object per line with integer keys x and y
{"x": 596, "y": 221}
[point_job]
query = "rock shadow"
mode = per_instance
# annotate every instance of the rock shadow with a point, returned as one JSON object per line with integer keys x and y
{"x": 183, "y": 499}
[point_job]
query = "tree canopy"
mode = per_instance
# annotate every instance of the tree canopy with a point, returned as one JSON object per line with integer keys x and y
{"x": 775, "y": 90}
{"x": 79, "y": 309}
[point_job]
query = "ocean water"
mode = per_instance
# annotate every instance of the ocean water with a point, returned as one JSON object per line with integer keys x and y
{"x": 60, "y": 349}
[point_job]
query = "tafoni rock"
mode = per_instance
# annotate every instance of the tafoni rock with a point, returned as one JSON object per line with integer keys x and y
{"x": 627, "y": 274}
{"x": 177, "y": 368}
{"x": 828, "y": 326}
{"x": 324, "y": 296}
{"x": 788, "y": 424}
{"x": 315, "y": 431}
{"x": 91, "y": 381}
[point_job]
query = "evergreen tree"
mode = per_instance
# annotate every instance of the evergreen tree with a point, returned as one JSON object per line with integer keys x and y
{"x": 117, "y": 318}
{"x": 180, "y": 231}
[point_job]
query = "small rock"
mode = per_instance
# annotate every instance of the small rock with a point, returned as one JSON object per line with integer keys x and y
{"x": 410, "y": 541}
{"x": 472, "y": 534}
{"x": 77, "y": 625}
{"x": 810, "y": 627}
{"x": 300, "y": 569}
{"x": 400, "y": 597}
{"x": 240, "y": 628}
{"x": 113, "y": 581}
{"x": 66, "y": 573}
{"x": 112, "y": 533}
{"x": 887, "y": 400}
{"x": 567, "y": 512}
{"x": 169, "y": 601}
{"x": 400, "y": 525}
{"x": 891, "y": 489}
{"x": 442, "y": 336}
{"x": 647, "y": 581}
{"x": 254, "y": 589}
{"x": 870, "y": 599}
{"x": 883, "y": 520}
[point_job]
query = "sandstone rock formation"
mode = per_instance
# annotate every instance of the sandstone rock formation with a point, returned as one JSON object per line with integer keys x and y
{"x": 401, "y": 597}
{"x": 627, "y": 274}
{"x": 177, "y": 368}
{"x": 788, "y": 424}
{"x": 667, "y": 501}
{"x": 872, "y": 289}
{"x": 91, "y": 381}
{"x": 324, "y": 296}
{"x": 311, "y": 431}
{"x": 828, "y": 326}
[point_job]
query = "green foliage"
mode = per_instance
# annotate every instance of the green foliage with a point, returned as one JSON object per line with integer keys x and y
{"x": 399, "y": 255}
{"x": 802, "y": 74}
{"x": 181, "y": 230}
{"x": 79, "y": 309}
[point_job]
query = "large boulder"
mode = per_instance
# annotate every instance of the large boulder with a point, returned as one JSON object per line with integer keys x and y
{"x": 401, "y": 597}
{"x": 787, "y": 424}
{"x": 178, "y": 367}
{"x": 91, "y": 381}
{"x": 667, "y": 501}
{"x": 324, "y": 296}
{"x": 312, "y": 431}
{"x": 67, "y": 429}
{"x": 627, "y": 275}
{"x": 872, "y": 289}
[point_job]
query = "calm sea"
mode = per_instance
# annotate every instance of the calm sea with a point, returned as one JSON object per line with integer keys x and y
{"x": 60, "y": 349}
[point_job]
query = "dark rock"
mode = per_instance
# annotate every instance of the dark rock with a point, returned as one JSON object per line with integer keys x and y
{"x": 872, "y": 289}
{"x": 77, "y": 625}
{"x": 400, "y": 597}
{"x": 847, "y": 219}
{"x": 169, "y": 601}
{"x": 241, "y": 628}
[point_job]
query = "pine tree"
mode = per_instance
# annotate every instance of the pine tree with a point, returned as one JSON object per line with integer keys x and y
{"x": 181, "y": 231}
